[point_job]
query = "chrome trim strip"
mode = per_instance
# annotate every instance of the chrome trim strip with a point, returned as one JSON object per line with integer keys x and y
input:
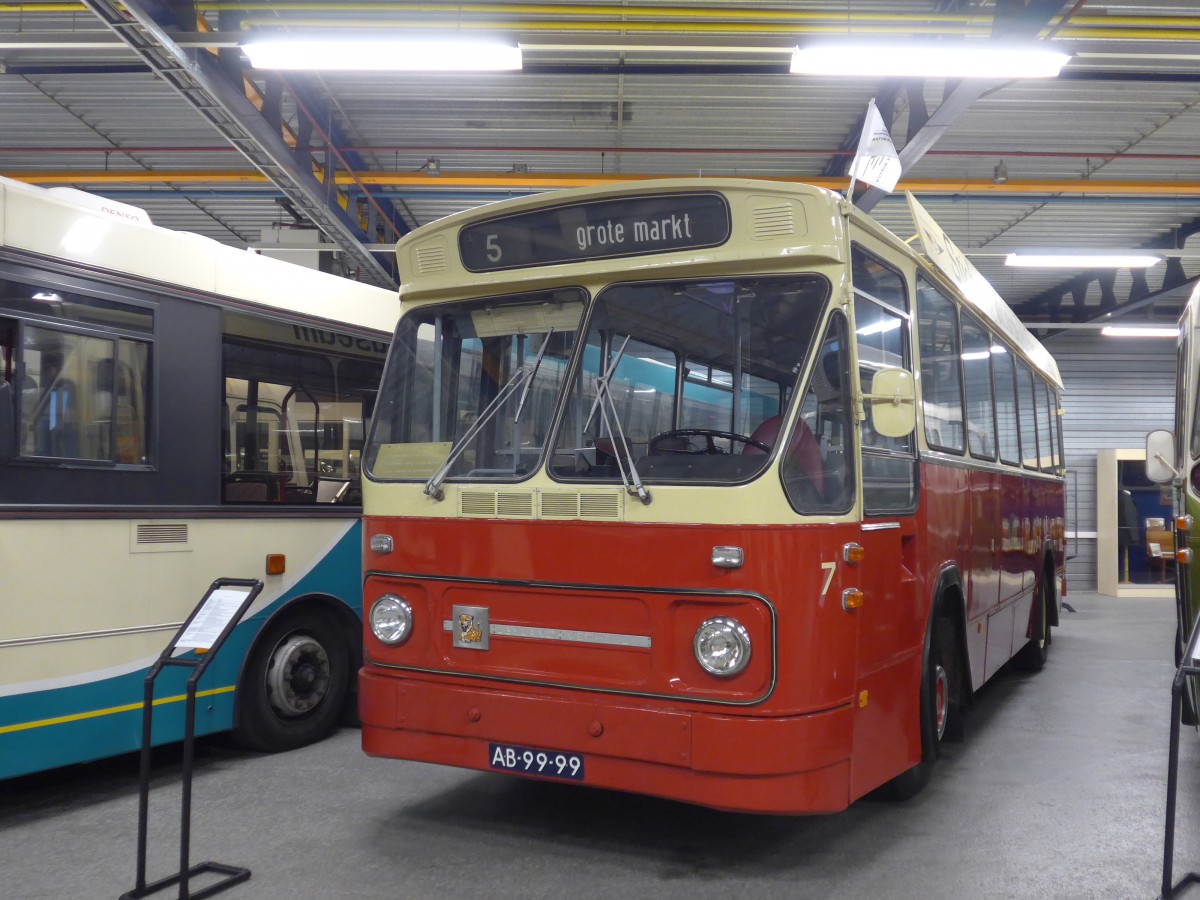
{"x": 879, "y": 526}
{"x": 596, "y": 588}
{"x": 86, "y": 635}
{"x": 563, "y": 634}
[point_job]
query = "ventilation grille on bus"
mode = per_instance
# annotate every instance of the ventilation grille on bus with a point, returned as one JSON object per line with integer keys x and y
{"x": 496, "y": 504}
{"x": 159, "y": 537}
{"x": 773, "y": 221}
{"x": 559, "y": 505}
{"x": 430, "y": 257}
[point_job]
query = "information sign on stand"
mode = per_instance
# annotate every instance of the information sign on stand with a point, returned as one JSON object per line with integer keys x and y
{"x": 205, "y": 630}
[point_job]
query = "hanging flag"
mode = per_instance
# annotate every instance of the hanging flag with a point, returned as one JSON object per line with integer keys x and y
{"x": 876, "y": 161}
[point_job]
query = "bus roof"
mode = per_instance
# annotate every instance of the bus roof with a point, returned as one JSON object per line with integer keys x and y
{"x": 415, "y": 248}
{"x": 86, "y": 228}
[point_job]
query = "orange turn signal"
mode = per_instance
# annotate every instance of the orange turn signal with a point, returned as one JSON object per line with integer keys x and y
{"x": 852, "y": 598}
{"x": 854, "y": 553}
{"x": 1184, "y": 556}
{"x": 276, "y": 563}
{"x": 1183, "y": 523}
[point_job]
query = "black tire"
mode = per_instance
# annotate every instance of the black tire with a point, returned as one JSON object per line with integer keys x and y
{"x": 1032, "y": 657}
{"x": 940, "y": 715}
{"x": 294, "y": 685}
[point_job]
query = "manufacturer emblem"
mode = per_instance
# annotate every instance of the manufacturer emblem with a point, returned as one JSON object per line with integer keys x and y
{"x": 470, "y": 627}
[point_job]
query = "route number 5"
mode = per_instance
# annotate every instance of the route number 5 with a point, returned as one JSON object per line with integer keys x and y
{"x": 493, "y": 248}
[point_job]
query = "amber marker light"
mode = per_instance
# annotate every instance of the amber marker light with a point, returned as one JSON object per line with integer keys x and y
{"x": 276, "y": 563}
{"x": 1183, "y": 523}
{"x": 1184, "y": 556}
{"x": 852, "y": 598}
{"x": 854, "y": 553}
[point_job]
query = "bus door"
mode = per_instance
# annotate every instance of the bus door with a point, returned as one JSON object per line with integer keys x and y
{"x": 891, "y": 618}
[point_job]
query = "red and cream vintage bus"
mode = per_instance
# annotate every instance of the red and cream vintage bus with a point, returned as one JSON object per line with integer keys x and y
{"x": 709, "y": 489}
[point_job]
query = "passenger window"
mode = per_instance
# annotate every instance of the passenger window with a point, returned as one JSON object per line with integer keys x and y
{"x": 977, "y": 379}
{"x": 1028, "y": 416}
{"x": 83, "y": 397}
{"x": 941, "y": 379}
{"x": 1041, "y": 398}
{"x": 817, "y": 470}
{"x": 1007, "y": 432}
{"x": 295, "y": 416}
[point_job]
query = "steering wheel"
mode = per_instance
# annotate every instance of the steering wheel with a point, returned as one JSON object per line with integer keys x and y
{"x": 710, "y": 435}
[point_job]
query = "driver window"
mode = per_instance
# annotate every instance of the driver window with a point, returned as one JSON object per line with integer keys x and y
{"x": 816, "y": 468}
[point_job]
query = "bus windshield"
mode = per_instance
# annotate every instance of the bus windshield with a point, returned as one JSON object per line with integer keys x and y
{"x": 675, "y": 378}
{"x": 687, "y": 372}
{"x": 471, "y": 387}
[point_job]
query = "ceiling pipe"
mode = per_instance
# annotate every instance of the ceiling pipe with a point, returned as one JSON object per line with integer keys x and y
{"x": 533, "y": 182}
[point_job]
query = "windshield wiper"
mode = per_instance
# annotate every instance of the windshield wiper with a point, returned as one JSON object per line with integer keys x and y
{"x": 632, "y": 481}
{"x": 433, "y": 487}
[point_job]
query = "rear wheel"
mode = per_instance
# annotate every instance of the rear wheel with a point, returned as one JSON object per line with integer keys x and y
{"x": 1032, "y": 657}
{"x": 294, "y": 684}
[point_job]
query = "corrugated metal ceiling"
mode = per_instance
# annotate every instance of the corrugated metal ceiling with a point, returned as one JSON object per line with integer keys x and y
{"x": 1104, "y": 156}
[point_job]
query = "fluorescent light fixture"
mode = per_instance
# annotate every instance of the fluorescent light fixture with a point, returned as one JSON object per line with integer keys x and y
{"x": 1080, "y": 259}
{"x": 1163, "y": 331}
{"x": 976, "y": 59}
{"x": 382, "y": 54}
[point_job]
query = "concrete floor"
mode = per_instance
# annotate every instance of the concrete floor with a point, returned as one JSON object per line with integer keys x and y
{"x": 1058, "y": 791}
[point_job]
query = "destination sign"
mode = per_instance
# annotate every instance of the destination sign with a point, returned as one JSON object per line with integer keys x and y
{"x": 596, "y": 229}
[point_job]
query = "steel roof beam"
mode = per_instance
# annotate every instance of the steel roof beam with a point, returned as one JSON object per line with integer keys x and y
{"x": 1010, "y": 22}
{"x": 203, "y": 82}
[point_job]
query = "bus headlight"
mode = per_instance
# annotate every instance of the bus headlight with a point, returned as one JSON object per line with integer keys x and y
{"x": 391, "y": 619}
{"x": 722, "y": 646}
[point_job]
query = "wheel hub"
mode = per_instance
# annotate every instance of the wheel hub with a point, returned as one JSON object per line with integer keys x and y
{"x": 298, "y": 675}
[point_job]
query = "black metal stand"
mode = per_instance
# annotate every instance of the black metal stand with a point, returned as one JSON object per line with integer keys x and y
{"x": 1187, "y": 669}
{"x": 226, "y": 620}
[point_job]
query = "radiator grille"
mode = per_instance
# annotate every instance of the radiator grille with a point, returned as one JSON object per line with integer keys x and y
{"x": 159, "y": 537}
{"x": 175, "y": 533}
{"x": 562, "y": 505}
{"x": 494, "y": 504}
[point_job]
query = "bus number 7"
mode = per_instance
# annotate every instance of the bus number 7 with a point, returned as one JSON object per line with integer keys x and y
{"x": 830, "y": 568}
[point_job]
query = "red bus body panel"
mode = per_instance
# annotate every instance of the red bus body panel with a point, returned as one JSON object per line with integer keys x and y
{"x": 826, "y": 711}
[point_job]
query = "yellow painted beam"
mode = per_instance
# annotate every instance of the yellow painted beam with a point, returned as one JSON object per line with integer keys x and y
{"x": 534, "y": 182}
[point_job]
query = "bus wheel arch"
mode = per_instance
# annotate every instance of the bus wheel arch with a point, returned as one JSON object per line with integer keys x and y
{"x": 297, "y": 675}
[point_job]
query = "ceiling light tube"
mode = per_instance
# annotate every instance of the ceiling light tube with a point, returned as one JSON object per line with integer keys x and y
{"x": 382, "y": 55}
{"x": 1163, "y": 331}
{"x": 1080, "y": 259}
{"x": 925, "y": 60}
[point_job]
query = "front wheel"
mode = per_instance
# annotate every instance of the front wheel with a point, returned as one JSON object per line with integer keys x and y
{"x": 294, "y": 684}
{"x": 940, "y": 716}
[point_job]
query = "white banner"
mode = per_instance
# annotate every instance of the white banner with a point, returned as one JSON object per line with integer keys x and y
{"x": 876, "y": 161}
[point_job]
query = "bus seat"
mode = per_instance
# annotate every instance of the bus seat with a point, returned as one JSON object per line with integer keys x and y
{"x": 248, "y": 487}
{"x": 805, "y": 451}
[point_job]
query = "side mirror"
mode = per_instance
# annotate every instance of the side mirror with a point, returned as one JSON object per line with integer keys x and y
{"x": 1160, "y": 457}
{"x": 893, "y": 403}
{"x": 8, "y": 422}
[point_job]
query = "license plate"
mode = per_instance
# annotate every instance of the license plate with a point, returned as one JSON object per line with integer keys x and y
{"x": 532, "y": 761}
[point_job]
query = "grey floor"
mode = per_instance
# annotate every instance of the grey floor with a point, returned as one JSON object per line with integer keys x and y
{"x": 1058, "y": 791}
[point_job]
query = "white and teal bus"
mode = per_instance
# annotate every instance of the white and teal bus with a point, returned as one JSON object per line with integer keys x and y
{"x": 173, "y": 411}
